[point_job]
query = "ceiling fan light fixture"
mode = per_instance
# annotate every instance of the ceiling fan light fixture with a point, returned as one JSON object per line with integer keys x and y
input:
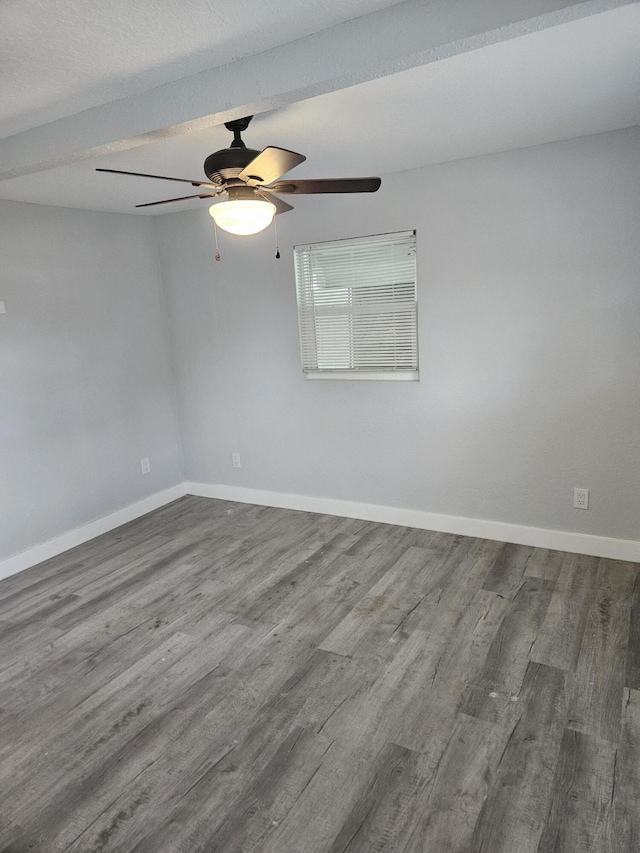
{"x": 243, "y": 216}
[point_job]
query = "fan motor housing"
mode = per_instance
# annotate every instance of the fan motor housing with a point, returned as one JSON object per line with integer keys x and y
{"x": 228, "y": 163}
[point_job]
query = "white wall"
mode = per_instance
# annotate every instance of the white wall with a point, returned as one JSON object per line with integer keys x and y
{"x": 87, "y": 385}
{"x": 529, "y": 303}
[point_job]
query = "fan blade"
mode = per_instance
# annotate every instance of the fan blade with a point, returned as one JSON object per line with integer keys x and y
{"x": 269, "y": 165}
{"x": 329, "y": 185}
{"x": 182, "y": 198}
{"x": 163, "y": 178}
{"x": 280, "y": 205}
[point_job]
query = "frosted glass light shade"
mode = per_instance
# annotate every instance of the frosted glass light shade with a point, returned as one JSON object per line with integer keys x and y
{"x": 243, "y": 216}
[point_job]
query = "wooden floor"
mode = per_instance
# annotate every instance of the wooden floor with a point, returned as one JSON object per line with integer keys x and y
{"x": 224, "y": 677}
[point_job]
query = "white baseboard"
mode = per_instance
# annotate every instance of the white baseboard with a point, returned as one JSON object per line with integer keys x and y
{"x": 62, "y": 543}
{"x": 538, "y": 537}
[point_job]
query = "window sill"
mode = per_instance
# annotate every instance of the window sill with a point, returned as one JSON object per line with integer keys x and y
{"x": 397, "y": 376}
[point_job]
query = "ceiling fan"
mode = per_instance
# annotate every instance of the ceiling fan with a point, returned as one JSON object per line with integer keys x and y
{"x": 249, "y": 179}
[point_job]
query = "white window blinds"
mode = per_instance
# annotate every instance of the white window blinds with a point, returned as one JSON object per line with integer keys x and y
{"x": 357, "y": 306}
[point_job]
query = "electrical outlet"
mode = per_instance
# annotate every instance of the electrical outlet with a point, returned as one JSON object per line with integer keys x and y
{"x": 145, "y": 465}
{"x": 581, "y": 498}
{"x": 235, "y": 460}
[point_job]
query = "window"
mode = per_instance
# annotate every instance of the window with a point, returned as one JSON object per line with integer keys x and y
{"x": 357, "y": 307}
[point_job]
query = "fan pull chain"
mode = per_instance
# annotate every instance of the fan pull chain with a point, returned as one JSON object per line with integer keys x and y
{"x": 215, "y": 231}
{"x": 275, "y": 226}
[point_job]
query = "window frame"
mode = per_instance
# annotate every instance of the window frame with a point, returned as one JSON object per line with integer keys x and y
{"x": 309, "y": 310}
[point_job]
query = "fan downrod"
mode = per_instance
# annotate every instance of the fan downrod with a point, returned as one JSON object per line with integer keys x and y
{"x": 237, "y": 126}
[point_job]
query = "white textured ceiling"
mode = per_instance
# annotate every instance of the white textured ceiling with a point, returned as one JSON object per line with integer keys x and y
{"x": 574, "y": 79}
{"x": 62, "y": 57}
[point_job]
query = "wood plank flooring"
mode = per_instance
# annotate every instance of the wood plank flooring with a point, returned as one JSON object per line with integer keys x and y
{"x": 225, "y": 678}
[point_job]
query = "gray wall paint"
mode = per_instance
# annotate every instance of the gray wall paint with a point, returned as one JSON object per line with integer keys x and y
{"x": 87, "y": 385}
{"x": 529, "y": 326}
